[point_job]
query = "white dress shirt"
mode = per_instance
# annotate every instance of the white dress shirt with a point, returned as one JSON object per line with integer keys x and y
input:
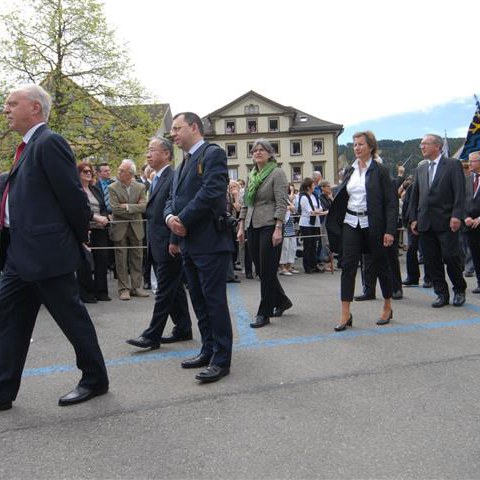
{"x": 357, "y": 196}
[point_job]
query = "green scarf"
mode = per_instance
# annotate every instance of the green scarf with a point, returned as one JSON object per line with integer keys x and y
{"x": 255, "y": 179}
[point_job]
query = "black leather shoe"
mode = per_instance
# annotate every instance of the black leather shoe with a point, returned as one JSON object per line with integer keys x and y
{"x": 142, "y": 342}
{"x": 427, "y": 284}
{"x": 196, "y": 362}
{"x": 278, "y": 311}
{"x": 89, "y": 299}
{"x": 177, "y": 337}
{"x": 384, "y": 321}
{"x": 104, "y": 298}
{"x": 234, "y": 280}
{"x": 398, "y": 295}
{"x": 249, "y": 275}
{"x": 5, "y": 406}
{"x": 410, "y": 283}
{"x": 458, "y": 299}
{"x": 260, "y": 321}
{"x": 80, "y": 394}
{"x": 476, "y": 290}
{"x": 342, "y": 326}
{"x": 212, "y": 373}
{"x": 440, "y": 301}
{"x": 365, "y": 296}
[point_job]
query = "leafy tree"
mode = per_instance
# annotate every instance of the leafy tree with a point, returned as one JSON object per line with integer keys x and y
{"x": 67, "y": 46}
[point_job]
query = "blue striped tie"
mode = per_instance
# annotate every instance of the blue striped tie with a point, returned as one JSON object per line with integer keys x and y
{"x": 106, "y": 194}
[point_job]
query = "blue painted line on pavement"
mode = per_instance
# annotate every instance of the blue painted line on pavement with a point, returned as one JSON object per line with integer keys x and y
{"x": 247, "y": 335}
{"x": 303, "y": 340}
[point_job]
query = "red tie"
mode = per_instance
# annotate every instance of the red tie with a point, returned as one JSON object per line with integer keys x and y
{"x": 18, "y": 154}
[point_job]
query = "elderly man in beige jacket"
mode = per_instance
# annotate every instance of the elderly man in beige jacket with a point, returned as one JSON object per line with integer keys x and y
{"x": 128, "y": 201}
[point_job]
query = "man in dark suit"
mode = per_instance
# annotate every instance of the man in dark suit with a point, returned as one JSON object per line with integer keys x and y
{"x": 195, "y": 212}
{"x": 170, "y": 298}
{"x": 44, "y": 250}
{"x": 436, "y": 213}
{"x": 472, "y": 213}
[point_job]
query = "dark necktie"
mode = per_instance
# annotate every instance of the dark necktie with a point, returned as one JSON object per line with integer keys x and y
{"x": 475, "y": 183}
{"x": 154, "y": 184}
{"x": 431, "y": 168}
{"x": 18, "y": 154}
{"x": 185, "y": 165}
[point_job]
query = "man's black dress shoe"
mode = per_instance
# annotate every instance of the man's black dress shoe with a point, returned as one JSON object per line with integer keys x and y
{"x": 342, "y": 326}
{"x": 397, "y": 295}
{"x": 104, "y": 298}
{"x": 91, "y": 299}
{"x": 440, "y": 301}
{"x": 80, "y": 394}
{"x": 365, "y": 296}
{"x": 5, "y": 406}
{"x": 249, "y": 275}
{"x": 427, "y": 284}
{"x": 234, "y": 280}
{"x": 278, "y": 311}
{"x": 196, "y": 362}
{"x": 476, "y": 290}
{"x": 212, "y": 373}
{"x": 177, "y": 337}
{"x": 384, "y": 321}
{"x": 458, "y": 299}
{"x": 260, "y": 321}
{"x": 409, "y": 282}
{"x": 142, "y": 342}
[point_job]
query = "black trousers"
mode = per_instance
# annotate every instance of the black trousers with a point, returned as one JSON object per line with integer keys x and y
{"x": 309, "y": 248}
{"x": 19, "y": 305}
{"x": 439, "y": 249}
{"x": 170, "y": 299}
{"x": 355, "y": 242}
{"x": 266, "y": 258}
{"x": 473, "y": 237}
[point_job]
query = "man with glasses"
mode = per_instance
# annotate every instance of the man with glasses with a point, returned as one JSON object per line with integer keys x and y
{"x": 128, "y": 200}
{"x": 195, "y": 212}
{"x": 472, "y": 213}
{"x": 436, "y": 213}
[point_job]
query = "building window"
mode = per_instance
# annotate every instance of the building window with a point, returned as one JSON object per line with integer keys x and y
{"x": 297, "y": 173}
{"x": 249, "y": 149}
{"x": 231, "y": 149}
{"x": 276, "y": 147}
{"x": 318, "y": 167}
{"x": 252, "y": 125}
{"x": 273, "y": 125}
{"x": 317, "y": 146}
{"x": 295, "y": 147}
{"x": 251, "y": 109}
{"x": 233, "y": 173}
{"x": 230, "y": 126}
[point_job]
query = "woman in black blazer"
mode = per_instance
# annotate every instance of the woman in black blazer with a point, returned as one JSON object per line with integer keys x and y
{"x": 94, "y": 289}
{"x": 362, "y": 219}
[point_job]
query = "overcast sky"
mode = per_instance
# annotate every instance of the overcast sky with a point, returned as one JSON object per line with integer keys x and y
{"x": 346, "y": 61}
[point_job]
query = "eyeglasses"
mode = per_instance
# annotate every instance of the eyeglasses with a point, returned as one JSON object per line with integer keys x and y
{"x": 87, "y": 171}
{"x": 152, "y": 150}
{"x": 423, "y": 144}
{"x": 178, "y": 128}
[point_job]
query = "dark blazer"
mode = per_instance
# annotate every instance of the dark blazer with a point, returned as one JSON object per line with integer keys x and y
{"x": 433, "y": 207}
{"x": 49, "y": 212}
{"x": 159, "y": 235}
{"x": 198, "y": 197}
{"x": 381, "y": 205}
{"x": 472, "y": 204}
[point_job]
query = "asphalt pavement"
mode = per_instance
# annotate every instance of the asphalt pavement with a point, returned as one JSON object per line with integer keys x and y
{"x": 302, "y": 401}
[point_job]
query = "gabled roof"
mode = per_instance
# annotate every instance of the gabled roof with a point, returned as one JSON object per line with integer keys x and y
{"x": 301, "y": 121}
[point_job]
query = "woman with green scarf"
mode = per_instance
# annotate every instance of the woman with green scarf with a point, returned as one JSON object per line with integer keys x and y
{"x": 261, "y": 217}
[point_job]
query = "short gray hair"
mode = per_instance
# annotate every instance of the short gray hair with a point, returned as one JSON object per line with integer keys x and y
{"x": 474, "y": 154}
{"x": 265, "y": 144}
{"x": 166, "y": 144}
{"x": 130, "y": 164}
{"x": 437, "y": 139}
{"x": 36, "y": 93}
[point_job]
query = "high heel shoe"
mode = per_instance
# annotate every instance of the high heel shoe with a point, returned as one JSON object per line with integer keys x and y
{"x": 382, "y": 321}
{"x": 342, "y": 326}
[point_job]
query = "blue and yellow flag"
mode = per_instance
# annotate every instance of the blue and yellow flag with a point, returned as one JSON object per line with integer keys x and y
{"x": 472, "y": 142}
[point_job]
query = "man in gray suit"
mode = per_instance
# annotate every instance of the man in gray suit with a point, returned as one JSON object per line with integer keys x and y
{"x": 128, "y": 201}
{"x": 436, "y": 212}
